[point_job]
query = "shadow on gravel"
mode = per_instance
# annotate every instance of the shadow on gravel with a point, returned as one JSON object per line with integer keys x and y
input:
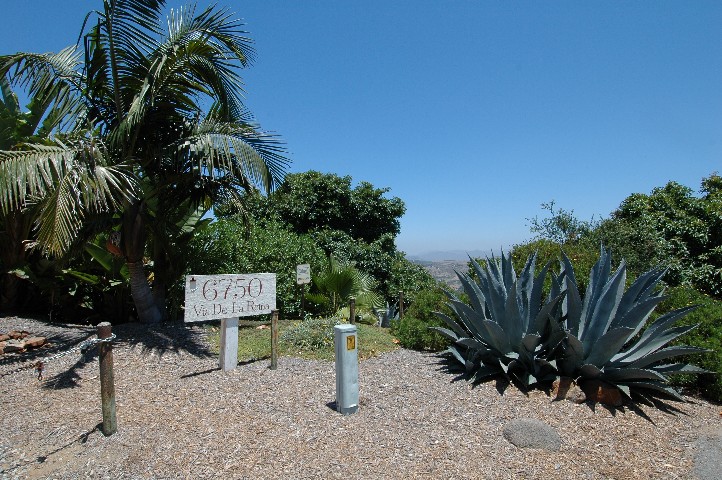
{"x": 198, "y": 374}
{"x": 62, "y": 353}
{"x": 170, "y": 337}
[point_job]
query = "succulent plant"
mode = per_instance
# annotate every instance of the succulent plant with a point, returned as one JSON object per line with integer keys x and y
{"x": 507, "y": 328}
{"x": 387, "y": 315}
{"x": 605, "y": 339}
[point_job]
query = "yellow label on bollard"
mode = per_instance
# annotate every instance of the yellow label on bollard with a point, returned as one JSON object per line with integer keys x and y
{"x": 351, "y": 342}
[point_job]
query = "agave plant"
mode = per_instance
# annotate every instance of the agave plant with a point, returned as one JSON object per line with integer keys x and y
{"x": 507, "y": 328}
{"x": 604, "y": 338}
{"x": 387, "y": 314}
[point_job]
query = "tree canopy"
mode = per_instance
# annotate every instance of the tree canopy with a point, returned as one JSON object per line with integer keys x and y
{"x": 313, "y": 201}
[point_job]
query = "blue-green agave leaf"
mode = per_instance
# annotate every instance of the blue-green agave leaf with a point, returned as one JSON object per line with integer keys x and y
{"x": 476, "y": 296}
{"x": 472, "y": 320}
{"x": 636, "y": 317}
{"x": 665, "y": 353}
{"x": 572, "y": 357}
{"x": 452, "y": 324}
{"x": 535, "y": 299}
{"x": 590, "y": 371}
{"x": 641, "y": 349}
{"x": 511, "y": 321}
{"x": 485, "y": 372}
{"x": 601, "y": 351}
{"x": 615, "y": 375}
{"x": 496, "y": 337}
{"x": 605, "y": 308}
{"x": 456, "y": 354}
{"x": 572, "y": 304}
{"x": 544, "y": 320}
{"x": 655, "y": 386}
{"x": 446, "y": 333}
{"x": 665, "y": 321}
{"x": 641, "y": 289}
{"x": 471, "y": 343}
{"x": 598, "y": 278}
{"x": 679, "y": 368}
{"x": 531, "y": 342}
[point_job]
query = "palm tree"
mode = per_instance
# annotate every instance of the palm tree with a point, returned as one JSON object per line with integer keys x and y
{"x": 47, "y": 111}
{"x": 165, "y": 119}
{"x": 334, "y": 286}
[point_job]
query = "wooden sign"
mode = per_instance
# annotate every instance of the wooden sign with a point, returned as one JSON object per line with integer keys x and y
{"x": 212, "y": 297}
{"x": 303, "y": 274}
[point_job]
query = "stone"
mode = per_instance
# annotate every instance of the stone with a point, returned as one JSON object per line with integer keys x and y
{"x": 601, "y": 392}
{"x": 4, "y": 337}
{"x": 532, "y": 433}
{"x": 16, "y": 335}
{"x": 13, "y": 346}
{"x": 34, "y": 342}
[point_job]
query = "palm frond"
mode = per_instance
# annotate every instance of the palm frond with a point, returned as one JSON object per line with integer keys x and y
{"x": 221, "y": 149}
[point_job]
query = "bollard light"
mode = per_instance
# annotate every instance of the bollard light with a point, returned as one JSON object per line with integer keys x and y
{"x": 346, "y": 348}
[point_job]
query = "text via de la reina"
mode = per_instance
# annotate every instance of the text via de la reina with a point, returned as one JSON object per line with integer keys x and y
{"x": 209, "y": 297}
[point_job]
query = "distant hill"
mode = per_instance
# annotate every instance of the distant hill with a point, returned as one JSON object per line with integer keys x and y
{"x": 445, "y": 271}
{"x": 449, "y": 255}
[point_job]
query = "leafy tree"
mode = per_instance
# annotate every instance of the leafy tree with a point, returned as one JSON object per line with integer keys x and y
{"x": 145, "y": 146}
{"x": 561, "y": 226}
{"x": 314, "y": 201}
{"x": 673, "y": 227}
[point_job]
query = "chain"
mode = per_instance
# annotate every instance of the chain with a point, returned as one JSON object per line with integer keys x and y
{"x": 39, "y": 365}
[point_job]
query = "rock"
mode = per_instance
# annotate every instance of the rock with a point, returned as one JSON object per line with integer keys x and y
{"x": 2, "y": 348}
{"x": 532, "y": 433}
{"x": 598, "y": 391}
{"x": 13, "y": 346}
{"x": 4, "y": 337}
{"x": 34, "y": 342}
{"x": 16, "y": 335}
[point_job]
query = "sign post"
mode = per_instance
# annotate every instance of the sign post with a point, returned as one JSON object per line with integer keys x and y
{"x": 227, "y": 297}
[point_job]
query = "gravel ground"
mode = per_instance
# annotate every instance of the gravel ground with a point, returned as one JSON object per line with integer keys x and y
{"x": 179, "y": 416}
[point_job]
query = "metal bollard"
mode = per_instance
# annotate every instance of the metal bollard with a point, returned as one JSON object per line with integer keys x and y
{"x": 346, "y": 348}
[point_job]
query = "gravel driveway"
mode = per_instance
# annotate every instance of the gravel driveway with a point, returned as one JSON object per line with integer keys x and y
{"x": 179, "y": 416}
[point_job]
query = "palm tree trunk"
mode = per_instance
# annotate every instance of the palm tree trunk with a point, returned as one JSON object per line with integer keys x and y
{"x": 160, "y": 271}
{"x": 134, "y": 236}
{"x": 145, "y": 305}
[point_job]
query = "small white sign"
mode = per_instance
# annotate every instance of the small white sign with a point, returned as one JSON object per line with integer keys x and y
{"x": 303, "y": 274}
{"x": 210, "y": 297}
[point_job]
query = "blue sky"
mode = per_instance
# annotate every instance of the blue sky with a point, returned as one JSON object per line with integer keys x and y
{"x": 473, "y": 112}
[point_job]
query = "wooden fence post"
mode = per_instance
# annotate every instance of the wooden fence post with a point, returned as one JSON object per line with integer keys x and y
{"x": 352, "y": 310}
{"x": 274, "y": 339}
{"x": 107, "y": 382}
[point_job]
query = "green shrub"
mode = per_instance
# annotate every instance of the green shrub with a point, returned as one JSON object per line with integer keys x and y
{"x": 226, "y": 246}
{"x": 413, "y": 331}
{"x": 415, "y": 334}
{"x": 707, "y": 335}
